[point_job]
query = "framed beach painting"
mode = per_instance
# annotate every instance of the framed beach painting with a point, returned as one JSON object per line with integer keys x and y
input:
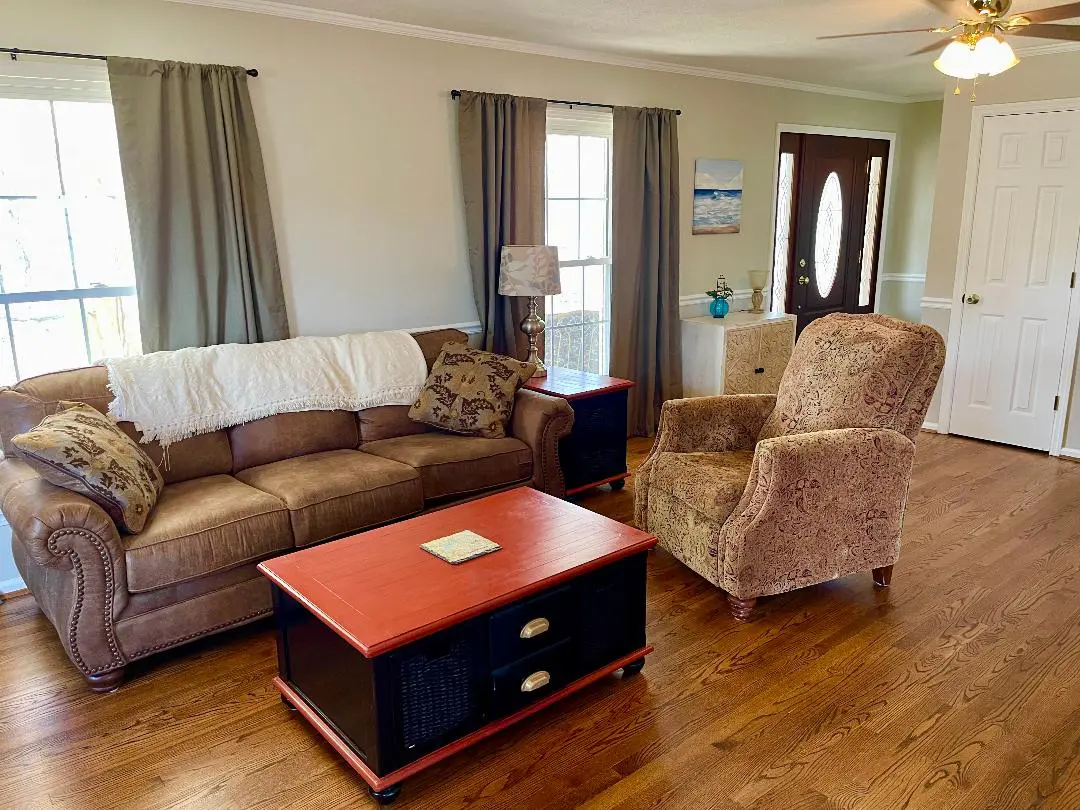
{"x": 717, "y": 195}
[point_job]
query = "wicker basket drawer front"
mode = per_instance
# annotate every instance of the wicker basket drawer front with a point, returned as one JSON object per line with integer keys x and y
{"x": 524, "y": 628}
{"x": 532, "y": 678}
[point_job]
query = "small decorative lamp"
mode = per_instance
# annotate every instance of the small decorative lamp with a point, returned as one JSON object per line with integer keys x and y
{"x": 531, "y": 270}
{"x": 758, "y": 280}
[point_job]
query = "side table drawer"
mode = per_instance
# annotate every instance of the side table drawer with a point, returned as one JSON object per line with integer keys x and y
{"x": 530, "y": 679}
{"x": 527, "y": 627}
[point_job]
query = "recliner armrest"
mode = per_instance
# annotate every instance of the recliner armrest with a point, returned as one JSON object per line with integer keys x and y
{"x": 828, "y": 499}
{"x": 541, "y": 421}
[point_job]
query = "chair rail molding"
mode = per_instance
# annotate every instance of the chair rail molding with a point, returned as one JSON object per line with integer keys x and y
{"x": 936, "y": 303}
{"x": 903, "y": 278}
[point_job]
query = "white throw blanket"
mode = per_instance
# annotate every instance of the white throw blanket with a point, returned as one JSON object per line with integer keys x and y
{"x": 173, "y": 395}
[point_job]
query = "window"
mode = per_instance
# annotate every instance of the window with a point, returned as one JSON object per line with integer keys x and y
{"x": 67, "y": 282}
{"x": 578, "y": 199}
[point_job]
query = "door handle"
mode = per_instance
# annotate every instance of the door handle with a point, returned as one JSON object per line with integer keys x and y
{"x": 972, "y": 299}
{"x": 803, "y": 280}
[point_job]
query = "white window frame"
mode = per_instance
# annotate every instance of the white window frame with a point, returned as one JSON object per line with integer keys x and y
{"x": 52, "y": 81}
{"x": 597, "y": 122}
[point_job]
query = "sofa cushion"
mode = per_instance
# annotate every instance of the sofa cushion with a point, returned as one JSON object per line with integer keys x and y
{"x": 387, "y": 422}
{"x": 83, "y": 450}
{"x": 470, "y": 391}
{"x": 286, "y": 435}
{"x": 202, "y": 526}
{"x": 31, "y": 400}
{"x": 455, "y": 465}
{"x": 338, "y": 492}
{"x": 709, "y": 483}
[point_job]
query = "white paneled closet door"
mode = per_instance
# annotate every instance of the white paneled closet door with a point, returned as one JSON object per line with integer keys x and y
{"x": 1024, "y": 245}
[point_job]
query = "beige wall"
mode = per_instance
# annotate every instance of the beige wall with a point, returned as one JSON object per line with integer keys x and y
{"x": 915, "y": 175}
{"x": 1034, "y": 79}
{"x": 359, "y": 136}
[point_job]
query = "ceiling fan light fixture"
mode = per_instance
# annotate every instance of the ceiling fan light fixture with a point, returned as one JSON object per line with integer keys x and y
{"x": 993, "y": 55}
{"x": 957, "y": 60}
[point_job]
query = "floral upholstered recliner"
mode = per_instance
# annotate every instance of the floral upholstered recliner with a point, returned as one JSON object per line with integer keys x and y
{"x": 765, "y": 494}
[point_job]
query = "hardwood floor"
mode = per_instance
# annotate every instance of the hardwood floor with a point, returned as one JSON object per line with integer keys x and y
{"x": 958, "y": 687}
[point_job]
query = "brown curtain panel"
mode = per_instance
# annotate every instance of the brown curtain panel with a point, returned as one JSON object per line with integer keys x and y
{"x": 502, "y": 140}
{"x": 206, "y": 261}
{"x": 645, "y": 329}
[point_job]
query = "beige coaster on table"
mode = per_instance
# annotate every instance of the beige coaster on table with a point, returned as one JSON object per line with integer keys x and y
{"x": 460, "y": 547}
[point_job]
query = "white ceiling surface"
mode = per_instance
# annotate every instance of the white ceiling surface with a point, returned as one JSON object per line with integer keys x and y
{"x": 774, "y": 38}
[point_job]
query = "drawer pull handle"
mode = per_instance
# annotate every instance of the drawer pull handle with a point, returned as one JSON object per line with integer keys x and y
{"x": 538, "y": 680}
{"x": 759, "y": 371}
{"x": 534, "y": 628}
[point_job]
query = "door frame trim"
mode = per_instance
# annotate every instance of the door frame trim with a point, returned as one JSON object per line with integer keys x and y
{"x": 842, "y": 132}
{"x": 979, "y": 114}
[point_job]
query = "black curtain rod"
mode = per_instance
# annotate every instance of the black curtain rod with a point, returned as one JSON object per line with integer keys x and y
{"x": 17, "y": 52}
{"x": 457, "y": 94}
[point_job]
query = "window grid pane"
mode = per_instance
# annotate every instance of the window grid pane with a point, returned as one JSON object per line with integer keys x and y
{"x": 63, "y": 226}
{"x": 873, "y": 197}
{"x": 579, "y": 224}
{"x": 782, "y": 241}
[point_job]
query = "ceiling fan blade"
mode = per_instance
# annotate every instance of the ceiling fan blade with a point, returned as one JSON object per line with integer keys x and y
{"x": 1071, "y": 32}
{"x": 881, "y": 33}
{"x": 954, "y": 8}
{"x": 1065, "y": 12}
{"x": 941, "y": 43}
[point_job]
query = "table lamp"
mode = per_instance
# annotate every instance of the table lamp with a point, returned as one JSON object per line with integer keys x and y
{"x": 758, "y": 280}
{"x": 530, "y": 270}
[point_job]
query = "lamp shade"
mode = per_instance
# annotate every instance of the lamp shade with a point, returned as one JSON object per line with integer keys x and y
{"x": 993, "y": 55}
{"x": 958, "y": 60}
{"x": 529, "y": 270}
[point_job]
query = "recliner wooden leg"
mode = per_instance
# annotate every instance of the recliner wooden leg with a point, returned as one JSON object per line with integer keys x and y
{"x": 741, "y": 609}
{"x": 883, "y": 576}
{"x": 106, "y": 681}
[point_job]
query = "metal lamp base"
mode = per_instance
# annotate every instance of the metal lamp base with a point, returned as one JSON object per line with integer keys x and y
{"x": 533, "y": 327}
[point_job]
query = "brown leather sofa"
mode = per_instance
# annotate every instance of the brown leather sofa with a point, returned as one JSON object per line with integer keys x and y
{"x": 233, "y": 498}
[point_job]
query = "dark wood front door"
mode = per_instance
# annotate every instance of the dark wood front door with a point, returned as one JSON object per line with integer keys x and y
{"x": 838, "y": 196}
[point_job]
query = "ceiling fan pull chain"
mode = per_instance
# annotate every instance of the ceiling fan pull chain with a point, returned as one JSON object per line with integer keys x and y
{"x": 956, "y": 92}
{"x": 974, "y": 84}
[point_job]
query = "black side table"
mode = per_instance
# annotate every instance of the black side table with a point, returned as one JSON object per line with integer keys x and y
{"x": 595, "y": 451}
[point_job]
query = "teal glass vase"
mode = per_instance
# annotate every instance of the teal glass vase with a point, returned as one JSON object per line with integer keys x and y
{"x": 719, "y": 307}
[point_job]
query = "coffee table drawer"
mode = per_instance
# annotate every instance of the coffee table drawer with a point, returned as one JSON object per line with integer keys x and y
{"x": 525, "y": 628}
{"x": 531, "y": 678}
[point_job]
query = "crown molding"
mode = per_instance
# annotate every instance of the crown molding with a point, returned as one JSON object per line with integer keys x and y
{"x": 346, "y": 20}
{"x": 1046, "y": 50}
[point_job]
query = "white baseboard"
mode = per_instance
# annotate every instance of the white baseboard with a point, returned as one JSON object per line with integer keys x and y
{"x": 11, "y": 585}
{"x": 930, "y": 426}
{"x": 1068, "y": 452}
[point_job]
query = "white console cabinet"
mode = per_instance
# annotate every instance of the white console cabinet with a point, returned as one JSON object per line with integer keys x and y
{"x": 743, "y": 353}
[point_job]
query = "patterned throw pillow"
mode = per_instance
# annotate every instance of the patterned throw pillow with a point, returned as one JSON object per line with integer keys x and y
{"x": 81, "y": 449}
{"x": 470, "y": 391}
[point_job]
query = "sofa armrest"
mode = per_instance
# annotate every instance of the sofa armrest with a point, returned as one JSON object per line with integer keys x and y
{"x": 541, "y": 421}
{"x": 817, "y": 506}
{"x": 702, "y": 425}
{"x": 80, "y": 575}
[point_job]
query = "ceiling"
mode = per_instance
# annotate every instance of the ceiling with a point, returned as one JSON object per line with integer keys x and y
{"x": 774, "y": 38}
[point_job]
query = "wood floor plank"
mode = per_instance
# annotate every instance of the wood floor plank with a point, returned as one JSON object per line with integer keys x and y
{"x": 959, "y": 687}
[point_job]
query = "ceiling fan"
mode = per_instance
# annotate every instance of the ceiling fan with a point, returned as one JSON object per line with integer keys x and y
{"x": 976, "y": 45}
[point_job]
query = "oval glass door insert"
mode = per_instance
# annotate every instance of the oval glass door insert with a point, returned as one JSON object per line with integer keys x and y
{"x": 827, "y": 233}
